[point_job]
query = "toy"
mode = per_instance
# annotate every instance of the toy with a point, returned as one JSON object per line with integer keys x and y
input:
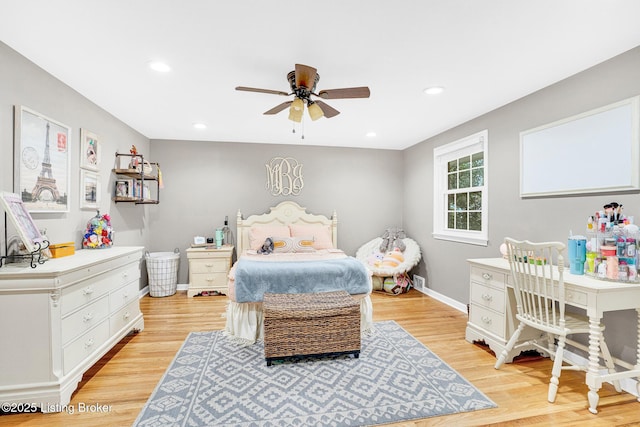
{"x": 393, "y": 258}
{"x": 99, "y": 233}
{"x": 392, "y": 238}
{"x": 375, "y": 259}
{"x": 267, "y": 246}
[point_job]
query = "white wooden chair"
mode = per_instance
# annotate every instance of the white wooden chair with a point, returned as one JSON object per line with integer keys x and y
{"x": 540, "y": 301}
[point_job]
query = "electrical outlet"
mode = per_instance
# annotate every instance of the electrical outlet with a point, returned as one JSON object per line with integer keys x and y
{"x": 418, "y": 282}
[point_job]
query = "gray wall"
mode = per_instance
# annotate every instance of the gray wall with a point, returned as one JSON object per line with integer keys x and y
{"x": 206, "y": 181}
{"x": 537, "y": 219}
{"x": 23, "y": 83}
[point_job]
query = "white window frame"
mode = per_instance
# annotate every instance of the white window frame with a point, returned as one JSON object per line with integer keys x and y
{"x": 441, "y": 156}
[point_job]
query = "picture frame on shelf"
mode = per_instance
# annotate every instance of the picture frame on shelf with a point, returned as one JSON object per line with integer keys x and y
{"x": 41, "y": 161}
{"x": 89, "y": 189}
{"x": 22, "y": 221}
{"x": 124, "y": 188}
{"x": 89, "y": 150}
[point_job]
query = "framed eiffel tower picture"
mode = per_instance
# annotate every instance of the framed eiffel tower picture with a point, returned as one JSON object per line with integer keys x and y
{"x": 41, "y": 162}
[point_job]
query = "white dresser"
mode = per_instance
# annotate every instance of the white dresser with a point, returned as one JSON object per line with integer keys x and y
{"x": 209, "y": 269}
{"x": 61, "y": 317}
{"x": 492, "y": 310}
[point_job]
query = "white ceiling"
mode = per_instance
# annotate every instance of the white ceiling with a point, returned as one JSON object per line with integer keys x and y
{"x": 486, "y": 53}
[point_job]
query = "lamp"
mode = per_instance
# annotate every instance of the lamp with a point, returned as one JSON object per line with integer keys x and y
{"x": 315, "y": 112}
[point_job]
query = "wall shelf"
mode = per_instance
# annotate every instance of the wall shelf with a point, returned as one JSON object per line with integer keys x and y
{"x": 136, "y": 191}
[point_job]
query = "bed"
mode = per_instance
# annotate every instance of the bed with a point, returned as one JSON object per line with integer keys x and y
{"x": 305, "y": 259}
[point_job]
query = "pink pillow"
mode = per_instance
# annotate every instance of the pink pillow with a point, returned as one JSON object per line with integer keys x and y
{"x": 258, "y": 234}
{"x": 321, "y": 234}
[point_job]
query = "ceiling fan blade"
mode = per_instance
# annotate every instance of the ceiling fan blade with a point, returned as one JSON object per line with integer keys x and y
{"x": 349, "y": 92}
{"x": 328, "y": 110}
{"x": 253, "y": 89}
{"x": 305, "y": 76}
{"x": 278, "y": 108}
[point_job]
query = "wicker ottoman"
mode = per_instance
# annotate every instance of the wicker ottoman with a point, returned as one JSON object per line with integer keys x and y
{"x": 310, "y": 324}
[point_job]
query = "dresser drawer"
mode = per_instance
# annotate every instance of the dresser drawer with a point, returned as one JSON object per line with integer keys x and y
{"x": 208, "y": 265}
{"x": 488, "y": 320}
{"x": 84, "y": 319}
{"x": 488, "y": 277}
{"x": 489, "y": 297}
{"x": 204, "y": 280}
{"x": 124, "y": 316}
{"x": 84, "y": 346}
{"x": 94, "y": 287}
{"x": 123, "y": 296}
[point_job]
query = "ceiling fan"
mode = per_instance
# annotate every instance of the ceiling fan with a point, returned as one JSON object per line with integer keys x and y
{"x": 303, "y": 81}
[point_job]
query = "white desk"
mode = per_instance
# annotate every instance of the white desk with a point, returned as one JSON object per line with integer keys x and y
{"x": 596, "y": 297}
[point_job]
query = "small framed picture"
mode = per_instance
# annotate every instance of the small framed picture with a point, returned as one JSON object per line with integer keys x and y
{"x": 22, "y": 221}
{"x": 124, "y": 188}
{"x": 89, "y": 150}
{"x": 89, "y": 190}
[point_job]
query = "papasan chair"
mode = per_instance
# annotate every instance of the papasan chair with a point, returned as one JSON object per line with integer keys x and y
{"x": 384, "y": 275}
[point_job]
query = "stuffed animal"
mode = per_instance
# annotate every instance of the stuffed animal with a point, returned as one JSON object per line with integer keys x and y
{"x": 393, "y": 258}
{"x": 375, "y": 259}
{"x": 267, "y": 246}
{"x": 392, "y": 239}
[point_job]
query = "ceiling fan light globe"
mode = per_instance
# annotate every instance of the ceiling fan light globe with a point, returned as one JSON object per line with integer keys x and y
{"x": 315, "y": 112}
{"x": 295, "y": 115}
{"x": 297, "y": 104}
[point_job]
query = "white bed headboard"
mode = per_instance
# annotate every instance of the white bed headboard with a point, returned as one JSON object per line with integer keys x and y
{"x": 285, "y": 213}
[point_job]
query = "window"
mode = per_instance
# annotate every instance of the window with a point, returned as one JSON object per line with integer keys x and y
{"x": 460, "y": 190}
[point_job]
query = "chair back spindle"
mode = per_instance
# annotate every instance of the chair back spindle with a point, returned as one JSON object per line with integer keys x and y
{"x": 538, "y": 283}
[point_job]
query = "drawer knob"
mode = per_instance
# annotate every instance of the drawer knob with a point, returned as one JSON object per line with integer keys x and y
{"x": 209, "y": 279}
{"x": 209, "y": 264}
{"x": 486, "y": 276}
{"x": 126, "y": 315}
{"x": 87, "y": 291}
{"x": 486, "y": 320}
{"x": 487, "y": 297}
{"x": 87, "y": 317}
{"x": 89, "y": 343}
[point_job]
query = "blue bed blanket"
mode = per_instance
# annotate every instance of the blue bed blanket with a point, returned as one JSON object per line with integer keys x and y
{"x": 254, "y": 278}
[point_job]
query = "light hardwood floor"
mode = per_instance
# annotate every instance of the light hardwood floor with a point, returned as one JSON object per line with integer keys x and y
{"x": 127, "y": 375}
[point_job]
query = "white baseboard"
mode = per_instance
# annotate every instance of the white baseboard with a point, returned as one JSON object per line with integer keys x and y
{"x": 180, "y": 287}
{"x": 444, "y": 299}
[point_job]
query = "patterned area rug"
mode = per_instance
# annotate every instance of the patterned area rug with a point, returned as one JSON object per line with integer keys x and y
{"x": 214, "y": 382}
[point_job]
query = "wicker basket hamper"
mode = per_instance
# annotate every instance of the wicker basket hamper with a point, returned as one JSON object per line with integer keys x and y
{"x": 310, "y": 324}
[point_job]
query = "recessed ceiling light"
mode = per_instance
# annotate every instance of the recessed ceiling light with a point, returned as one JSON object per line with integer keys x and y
{"x": 434, "y": 90}
{"x": 199, "y": 126}
{"x": 371, "y": 134}
{"x": 160, "y": 67}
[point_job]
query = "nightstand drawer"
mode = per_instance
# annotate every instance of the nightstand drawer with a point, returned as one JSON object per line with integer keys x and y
{"x": 204, "y": 280}
{"x": 212, "y": 265}
{"x": 488, "y": 320}
{"x": 487, "y": 296}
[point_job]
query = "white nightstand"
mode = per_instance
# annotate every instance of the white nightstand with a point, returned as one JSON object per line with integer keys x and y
{"x": 208, "y": 269}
